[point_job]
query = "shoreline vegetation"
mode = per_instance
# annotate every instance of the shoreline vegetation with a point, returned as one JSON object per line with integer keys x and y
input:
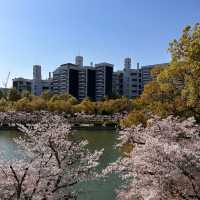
{"x": 160, "y": 136}
{"x": 77, "y": 120}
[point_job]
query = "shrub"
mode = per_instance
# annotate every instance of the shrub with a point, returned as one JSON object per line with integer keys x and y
{"x": 31, "y": 103}
{"x": 134, "y": 118}
{"x": 60, "y": 106}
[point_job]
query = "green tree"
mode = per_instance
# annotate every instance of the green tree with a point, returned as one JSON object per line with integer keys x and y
{"x": 23, "y": 104}
{"x": 37, "y": 103}
{"x": 31, "y": 103}
{"x": 135, "y": 117}
{"x": 1, "y": 94}
{"x": 25, "y": 93}
{"x": 59, "y": 106}
{"x": 86, "y": 106}
{"x": 13, "y": 95}
{"x": 181, "y": 80}
{"x": 47, "y": 95}
{"x": 3, "y": 105}
{"x": 176, "y": 88}
{"x": 65, "y": 97}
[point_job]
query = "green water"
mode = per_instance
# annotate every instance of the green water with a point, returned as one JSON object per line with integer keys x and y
{"x": 100, "y": 189}
{"x": 8, "y": 148}
{"x": 98, "y": 139}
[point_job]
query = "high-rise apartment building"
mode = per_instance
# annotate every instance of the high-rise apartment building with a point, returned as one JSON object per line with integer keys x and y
{"x": 87, "y": 83}
{"x": 37, "y": 80}
{"x": 65, "y": 79}
{"x": 127, "y": 63}
{"x": 132, "y": 80}
{"x": 104, "y": 73}
{"x": 83, "y": 81}
{"x": 79, "y": 61}
{"x": 117, "y": 83}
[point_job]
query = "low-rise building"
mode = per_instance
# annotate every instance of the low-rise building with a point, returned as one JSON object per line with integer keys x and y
{"x": 22, "y": 84}
{"x": 36, "y": 85}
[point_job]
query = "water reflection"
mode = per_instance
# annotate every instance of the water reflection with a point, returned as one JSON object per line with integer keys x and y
{"x": 8, "y": 148}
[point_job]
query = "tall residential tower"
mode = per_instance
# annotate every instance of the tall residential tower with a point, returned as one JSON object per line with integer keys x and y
{"x": 37, "y": 80}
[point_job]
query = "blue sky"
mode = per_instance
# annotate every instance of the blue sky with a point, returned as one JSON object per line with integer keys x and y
{"x": 52, "y": 32}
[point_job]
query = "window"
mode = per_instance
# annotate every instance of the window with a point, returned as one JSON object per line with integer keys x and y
{"x": 133, "y": 74}
{"x": 134, "y": 79}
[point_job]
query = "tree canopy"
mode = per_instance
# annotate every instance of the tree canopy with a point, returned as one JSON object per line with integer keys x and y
{"x": 176, "y": 88}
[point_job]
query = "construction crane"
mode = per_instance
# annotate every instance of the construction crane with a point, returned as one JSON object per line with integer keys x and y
{"x": 5, "y": 84}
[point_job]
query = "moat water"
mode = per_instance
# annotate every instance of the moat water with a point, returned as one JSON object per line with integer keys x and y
{"x": 98, "y": 139}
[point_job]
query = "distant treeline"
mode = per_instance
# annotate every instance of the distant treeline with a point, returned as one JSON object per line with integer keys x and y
{"x": 61, "y": 103}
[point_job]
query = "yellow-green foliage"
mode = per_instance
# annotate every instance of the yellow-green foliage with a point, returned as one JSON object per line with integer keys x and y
{"x": 6, "y": 105}
{"x": 176, "y": 88}
{"x": 59, "y": 106}
{"x": 23, "y": 104}
{"x": 65, "y": 97}
{"x": 31, "y": 103}
{"x": 37, "y": 103}
{"x": 62, "y": 103}
{"x": 46, "y": 95}
{"x": 86, "y": 106}
{"x": 135, "y": 117}
{"x": 114, "y": 106}
{"x": 69, "y": 104}
{"x": 13, "y": 95}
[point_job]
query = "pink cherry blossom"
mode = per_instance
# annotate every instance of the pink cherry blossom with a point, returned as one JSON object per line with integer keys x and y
{"x": 54, "y": 163}
{"x": 164, "y": 163}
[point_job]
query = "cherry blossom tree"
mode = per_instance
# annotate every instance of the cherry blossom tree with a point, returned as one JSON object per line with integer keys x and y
{"x": 164, "y": 162}
{"x": 52, "y": 166}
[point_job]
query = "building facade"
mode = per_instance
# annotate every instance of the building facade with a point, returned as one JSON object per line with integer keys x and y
{"x": 95, "y": 82}
{"x": 104, "y": 74}
{"x": 146, "y": 72}
{"x": 117, "y": 83}
{"x": 47, "y": 85}
{"x": 36, "y": 85}
{"x": 79, "y": 61}
{"x": 65, "y": 79}
{"x": 37, "y": 80}
{"x": 87, "y": 83}
{"x": 83, "y": 81}
{"x": 132, "y": 80}
{"x": 22, "y": 84}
